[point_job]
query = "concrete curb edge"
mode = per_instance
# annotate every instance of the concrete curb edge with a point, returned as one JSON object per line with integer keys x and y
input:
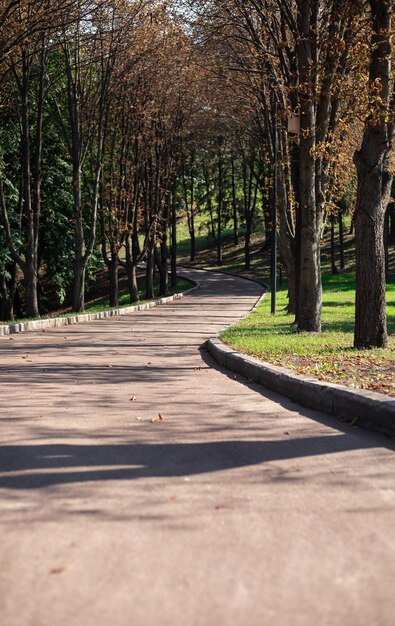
{"x": 360, "y": 407}
{"x": 55, "y": 322}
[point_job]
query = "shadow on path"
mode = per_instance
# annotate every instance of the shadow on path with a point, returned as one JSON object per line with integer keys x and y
{"x": 69, "y": 463}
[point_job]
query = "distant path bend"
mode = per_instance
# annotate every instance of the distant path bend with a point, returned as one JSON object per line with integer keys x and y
{"x": 237, "y": 509}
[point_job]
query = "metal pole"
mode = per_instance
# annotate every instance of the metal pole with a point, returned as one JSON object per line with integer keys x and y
{"x": 273, "y": 260}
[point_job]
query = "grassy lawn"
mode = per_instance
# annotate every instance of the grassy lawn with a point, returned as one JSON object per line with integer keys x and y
{"x": 330, "y": 355}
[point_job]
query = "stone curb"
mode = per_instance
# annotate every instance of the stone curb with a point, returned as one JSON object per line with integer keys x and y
{"x": 54, "y": 322}
{"x": 360, "y": 407}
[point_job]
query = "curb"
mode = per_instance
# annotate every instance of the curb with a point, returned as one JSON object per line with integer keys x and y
{"x": 360, "y": 407}
{"x": 55, "y": 322}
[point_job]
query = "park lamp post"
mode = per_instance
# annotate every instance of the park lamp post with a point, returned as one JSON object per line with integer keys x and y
{"x": 273, "y": 256}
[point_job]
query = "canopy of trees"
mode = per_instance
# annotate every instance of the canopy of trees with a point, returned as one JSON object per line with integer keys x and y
{"x": 119, "y": 116}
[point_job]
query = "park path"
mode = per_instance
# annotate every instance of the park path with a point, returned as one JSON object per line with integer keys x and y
{"x": 239, "y": 509}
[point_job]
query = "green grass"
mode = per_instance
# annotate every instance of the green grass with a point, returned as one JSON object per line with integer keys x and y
{"x": 328, "y": 355}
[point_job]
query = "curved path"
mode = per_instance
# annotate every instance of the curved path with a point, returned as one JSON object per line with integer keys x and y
{"x": 238, "y": 509}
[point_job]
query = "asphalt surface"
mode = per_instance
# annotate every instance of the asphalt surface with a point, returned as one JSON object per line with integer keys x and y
{"x": 238, "y": 508}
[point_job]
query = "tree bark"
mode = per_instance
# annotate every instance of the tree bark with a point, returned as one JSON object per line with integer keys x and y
{"x": 310, "y": 288}
{"x": 333, "y": 247}
{"x": 174, "y": 237}
{"x": 373, "y": 192}
{"x": 341, "y": 239}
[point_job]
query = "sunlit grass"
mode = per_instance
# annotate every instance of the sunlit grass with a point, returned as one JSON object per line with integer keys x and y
{"x": 328, "y": 355}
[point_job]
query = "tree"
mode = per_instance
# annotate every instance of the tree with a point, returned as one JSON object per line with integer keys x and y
{"x": 373, "y": 163}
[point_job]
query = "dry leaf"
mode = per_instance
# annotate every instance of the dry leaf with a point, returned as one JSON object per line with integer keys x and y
{"x": 134, "y": 398}
{"x": 160, "y": 418}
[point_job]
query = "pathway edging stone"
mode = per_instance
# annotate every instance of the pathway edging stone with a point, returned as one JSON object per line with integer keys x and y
{"x": 361, "y": 407}
{"x": 54, "y": 322}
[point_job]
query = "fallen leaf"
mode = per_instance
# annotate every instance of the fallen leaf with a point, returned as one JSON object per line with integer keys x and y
{"x": 133, "y": 398}
{"x": 160, "y": 418}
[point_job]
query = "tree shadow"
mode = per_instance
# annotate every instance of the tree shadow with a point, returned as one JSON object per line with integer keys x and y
{"x": 44, "y": 465}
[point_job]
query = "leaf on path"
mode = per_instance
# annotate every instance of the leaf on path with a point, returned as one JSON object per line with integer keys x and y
{"x": 58, "y": 570}
{"x": 160, "y": 418}
{"x": 133, "y": 398}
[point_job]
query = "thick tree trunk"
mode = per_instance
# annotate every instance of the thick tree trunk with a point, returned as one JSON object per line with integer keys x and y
{"x": 373, "y": 192}
{"x": 286, "y": 247}
{"x": 113, "y": 265}
{"x": 79, "y": 285}
{"x": 310, "y": 288}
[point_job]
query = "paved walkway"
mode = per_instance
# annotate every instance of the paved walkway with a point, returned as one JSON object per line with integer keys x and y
{"x": 239, "y": 509}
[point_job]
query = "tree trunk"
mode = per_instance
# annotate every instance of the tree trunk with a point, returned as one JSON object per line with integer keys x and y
{"x": 79, "y": 285}
{"x": 247, "y": 245}
{"x": 373, "y": 191}
{"x": 310, "y": 288}
{"x": 341, "y": 240}
{"x": 149, "y": 275}
{"x": 234, "y": 203}
{"x": 112, "y": 266}
{"x": 174, "y": 238}
{"x": 30, "y": 267}
{"x": 333, "y": 248}
{"x": 220, "y": 203}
